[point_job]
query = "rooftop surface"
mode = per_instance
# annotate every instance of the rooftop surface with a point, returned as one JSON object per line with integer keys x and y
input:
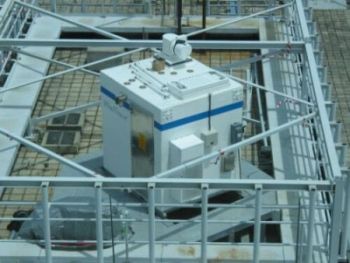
{"x": 334, "y": 29}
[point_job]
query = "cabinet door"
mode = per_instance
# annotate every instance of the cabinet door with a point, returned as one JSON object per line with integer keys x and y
{"x": 142, "y": 143}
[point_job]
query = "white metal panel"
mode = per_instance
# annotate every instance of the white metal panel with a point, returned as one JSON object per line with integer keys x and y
{"x": 185, "y": 149}
{"x": 116, "y": 128}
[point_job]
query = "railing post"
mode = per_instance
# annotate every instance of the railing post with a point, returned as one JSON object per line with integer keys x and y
{"x": 299, "y": 238}
{"x": 46, "y": 215}
{"x": 204, "y": 223}
{"x": 336, "y": 221}
{"x": 99, "y": 225}
{"x": 126, "y": 232}
{"x": 346, "y": 226}
{"x": 151, "y": 222}
{"x": 257, "y": 225}
{"x": 311, "y": 224}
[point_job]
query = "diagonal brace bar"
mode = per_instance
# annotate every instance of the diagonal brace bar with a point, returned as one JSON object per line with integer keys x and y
{"x": 49, "y": 153}
{"x": 270, "y": 90}
{"x": 297, "y": 46}
{"x": 233, "y": 147}
{"x": 56, "y": 114}
{"x": 71, "y": 70}
{"x": 65, "y": 112}
{"x": 17, "y": 50}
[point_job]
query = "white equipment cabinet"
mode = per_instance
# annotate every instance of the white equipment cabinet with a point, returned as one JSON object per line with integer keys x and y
{"x": 157, "y": 115}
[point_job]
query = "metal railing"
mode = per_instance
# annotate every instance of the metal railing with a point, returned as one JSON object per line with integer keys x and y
{"x": 148, "y": 7}
{"x": 328, "y": 184}
{"x": 14, "y": 24}
{"x": 257, "y": 205}
{"x": 112, "y": 7}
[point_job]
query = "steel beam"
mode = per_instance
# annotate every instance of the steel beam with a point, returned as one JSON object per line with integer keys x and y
{"x": 196, "y": 44}
{"x": 185, "y": 183}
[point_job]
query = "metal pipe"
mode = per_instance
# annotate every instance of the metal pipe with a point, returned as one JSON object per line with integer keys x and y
{"x": 297, "y": 46}
{"x": 99, "y": 223}
{"x": 126, "y": 237}
{"x": 167, "y": 242}
{"x": 151, "y": 222}
{"x": 177, "y": 205}
{"x": 346, "y": 219}
{"x": 62, "y": 18}
{"x": 336, "y": 220}
{"x": 26, "y": 66}
{"x": 169, "y": 183}
{"x": 237, "y": 20}
{"x": 46, "y": 215}
{"x": 47, "y": 152}
{"x": 17, "y": 50}
{"x": 270, "y": 90}
{"x": 251, "y": 120}
{"x": 204, "y": 223}
{"x": 226, "y": 222}
{"x": 299, "y": 233}
{"x": 257, "y": 223}
{"x": 131, "y": 220}
{"x": 311, "y": 225}
{"x": 70, "y": 70}
{"x": 233, "y": 147}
